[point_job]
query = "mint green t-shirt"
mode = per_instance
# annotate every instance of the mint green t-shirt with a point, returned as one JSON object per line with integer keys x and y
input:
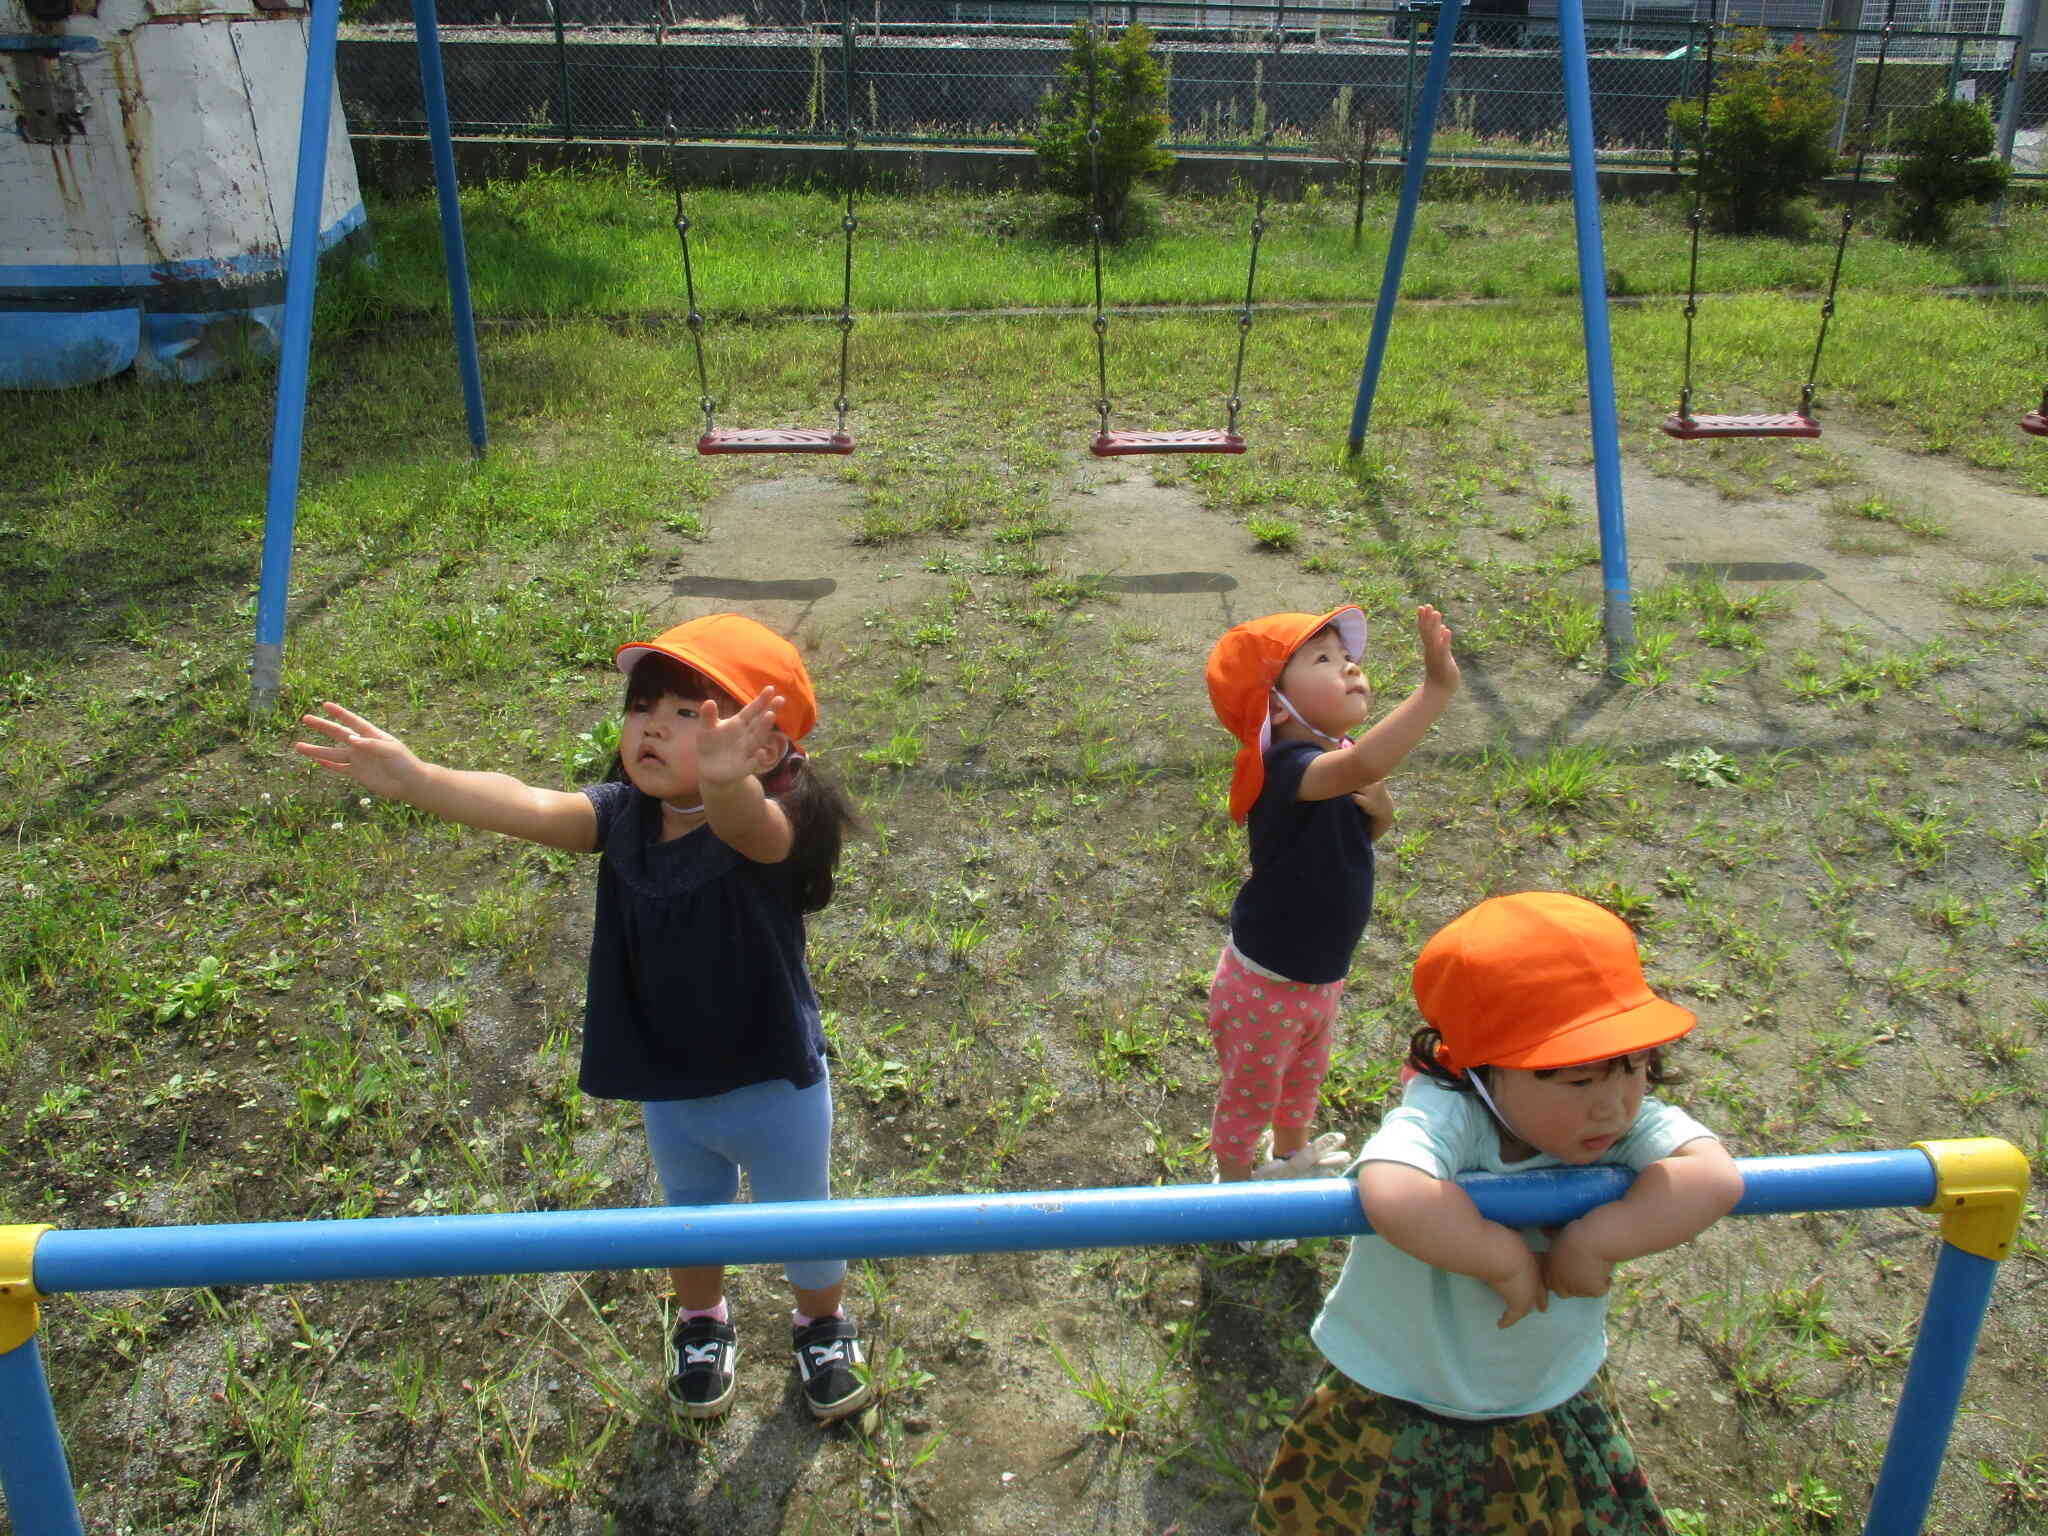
{"x": 1401, "y": 1328}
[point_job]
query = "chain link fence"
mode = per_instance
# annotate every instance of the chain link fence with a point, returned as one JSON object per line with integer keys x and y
{"x": 1333, "y": 81}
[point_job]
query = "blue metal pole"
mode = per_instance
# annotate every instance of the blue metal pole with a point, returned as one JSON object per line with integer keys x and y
{"x": 33, "y": 1471}
{"x": 454, "y": 253}
{"x": 287, "y": 438}
{"x": 1404, "y": 215}
{"x": 1949, "y": 1324}
{"x": 293, "y": 1252}
{"x": 1617, "y": 611}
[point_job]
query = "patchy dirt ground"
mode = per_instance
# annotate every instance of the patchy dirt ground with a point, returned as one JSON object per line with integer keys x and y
{"x": 1015, "y": 971}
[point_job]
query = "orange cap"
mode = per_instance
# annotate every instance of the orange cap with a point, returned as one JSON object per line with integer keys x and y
{"x": 741, "y": 657}
{"x": 1536, "y": 980}
{"x": 1244, "y": 668}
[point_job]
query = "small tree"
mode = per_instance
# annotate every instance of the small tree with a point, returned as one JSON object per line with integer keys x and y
{"x": 1130, "y": 109}
{"x": 1769, "y": 128}
{"x": 1948, "y": 162}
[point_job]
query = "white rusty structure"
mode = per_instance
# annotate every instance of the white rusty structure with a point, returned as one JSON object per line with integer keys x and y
{"x": 146, "y": 183}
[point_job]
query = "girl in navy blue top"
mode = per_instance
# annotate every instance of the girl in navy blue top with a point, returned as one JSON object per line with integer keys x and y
{"x": 715, "y": 836}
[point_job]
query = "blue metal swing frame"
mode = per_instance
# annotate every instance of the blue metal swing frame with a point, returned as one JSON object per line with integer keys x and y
{"x": 1978, "y": 1186}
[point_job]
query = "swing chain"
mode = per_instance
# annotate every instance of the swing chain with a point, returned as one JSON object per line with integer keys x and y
{"x": 1235, "y": 402}
{"x": 1095, "y": 39}
{"x": 1864, "y": 140}
{"x": 694, "y": 317}
{"x": 1697, "y": 218}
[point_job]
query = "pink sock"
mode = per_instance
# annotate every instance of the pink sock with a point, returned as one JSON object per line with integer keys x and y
{"x": 801, "y": 1321}
{"x": 719, "y": 1313}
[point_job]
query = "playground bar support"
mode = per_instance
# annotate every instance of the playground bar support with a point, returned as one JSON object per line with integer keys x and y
{"x": 302, "y": 276}
{"x": 454, "y": 251}
{"x": 1617, "y": 612}
{"x": 288, "y": 433}
{"x": 1422, "y": 129}
{"x": 1979, "y": 1186}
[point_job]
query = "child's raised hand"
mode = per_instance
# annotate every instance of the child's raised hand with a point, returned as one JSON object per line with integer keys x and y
{"x": 358, "y": 750}
{"x": 1572, "y": 1268}
{"x": 735, "y": 749}
{"x": 1521, "y": 1289}
{"x": 1439, "y": 666}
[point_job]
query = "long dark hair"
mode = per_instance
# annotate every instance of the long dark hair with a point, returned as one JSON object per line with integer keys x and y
{"x": 820, "y": 812}
{"x": 1422, "y": 1057}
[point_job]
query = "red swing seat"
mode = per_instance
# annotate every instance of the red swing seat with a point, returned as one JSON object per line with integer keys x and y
{"x": 1768, "y": 424}
{"x": 1111, "y": 445}
{"x": 2035, "y": 422}
{"x": 775, "y": 440}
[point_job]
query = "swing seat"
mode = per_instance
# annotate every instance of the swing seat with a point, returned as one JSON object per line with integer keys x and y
{"x": 1111, "y": 445}
{"x": 1780, "y": 424}
{"x": 775, "y": 440}
{"x": 2035, "y": 422}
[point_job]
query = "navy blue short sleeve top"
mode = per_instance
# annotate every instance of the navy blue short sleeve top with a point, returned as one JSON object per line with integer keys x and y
{"x": 697, "y": 978}
{"x": 1301, "y": 913}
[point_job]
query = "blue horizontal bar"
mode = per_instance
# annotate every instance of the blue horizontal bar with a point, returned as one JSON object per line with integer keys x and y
{"x": 540, "y": 1242}
{"x": 36, "y": 42}
{"x": 21, "y": 280}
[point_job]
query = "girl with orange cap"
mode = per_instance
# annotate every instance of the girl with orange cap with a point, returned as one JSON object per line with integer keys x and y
{"x": 1288, "y": 686}
{"x": 1460, "y": 1397}
{"x": 715, "y": 836}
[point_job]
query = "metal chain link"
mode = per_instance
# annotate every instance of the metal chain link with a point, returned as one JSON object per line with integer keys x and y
{"x": 695, "y": 317}
{"x": 1864, "y": 140}
{"x": 1095, "y": 38}
{"x": 1697, "y": 218}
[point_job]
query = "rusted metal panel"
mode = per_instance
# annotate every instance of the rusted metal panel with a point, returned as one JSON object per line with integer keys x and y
{"x": 150, "y": 176}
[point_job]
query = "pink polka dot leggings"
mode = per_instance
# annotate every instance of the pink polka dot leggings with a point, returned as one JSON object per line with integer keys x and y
{"x": 1273, "y": 1048}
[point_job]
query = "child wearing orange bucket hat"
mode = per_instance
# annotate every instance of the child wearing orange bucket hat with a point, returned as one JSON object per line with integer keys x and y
{"x": 1459, "y": 1394}
{"x": 715, "y": 837}
{"x": 1289, "y": 688}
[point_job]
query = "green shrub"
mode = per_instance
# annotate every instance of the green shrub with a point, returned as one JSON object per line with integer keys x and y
{"x": 1769, "y": 131}
{"x": 1947, "y": 162}
{"x": 1130, "y": 108}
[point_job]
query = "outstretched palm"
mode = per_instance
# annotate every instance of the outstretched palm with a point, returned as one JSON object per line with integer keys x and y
{"x": 746, "y": 744}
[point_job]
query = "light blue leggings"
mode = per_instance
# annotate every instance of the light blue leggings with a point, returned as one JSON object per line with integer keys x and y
{"x": 779, "y": 1133}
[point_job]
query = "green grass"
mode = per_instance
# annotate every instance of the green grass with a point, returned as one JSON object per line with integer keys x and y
{"x": 560, "y": 245}
{"x": 231, "y": 991}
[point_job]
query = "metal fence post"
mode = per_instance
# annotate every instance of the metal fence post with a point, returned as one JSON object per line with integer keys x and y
{"x": 33, "y": 1471}
{"x": 1408, "y": 91}
{"x": 1980, "y": 1190}
{"x": 562, "y": 71}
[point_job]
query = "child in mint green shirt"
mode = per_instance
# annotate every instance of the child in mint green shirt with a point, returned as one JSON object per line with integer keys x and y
{"x": 1464, "y": 1393}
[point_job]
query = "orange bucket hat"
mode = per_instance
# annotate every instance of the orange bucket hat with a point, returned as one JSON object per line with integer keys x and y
{"x": 1244, "y": 668}
{"x": 1536, "y": 980}
{"x": 742, "y": 657}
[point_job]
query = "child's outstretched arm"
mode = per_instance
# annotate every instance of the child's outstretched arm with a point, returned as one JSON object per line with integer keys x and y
{"x": 1433, "y": 1220}
{"x": 1382, "y": 749}
{"x": 494, "y": 802}
{"x": 730, "y": 756}
{"x": 1671, "y": 1202}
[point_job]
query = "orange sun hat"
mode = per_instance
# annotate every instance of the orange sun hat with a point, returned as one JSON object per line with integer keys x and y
{"x": 1538, "y": 980}
{"x": 742, "y": 657}
{"x": 1245, "y": 667}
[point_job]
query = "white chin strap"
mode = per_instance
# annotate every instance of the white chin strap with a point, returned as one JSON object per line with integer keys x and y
{"x": 697, "y": 809}
{"x": 1472, "y": 1076}
{"x": 1335, "y": 741}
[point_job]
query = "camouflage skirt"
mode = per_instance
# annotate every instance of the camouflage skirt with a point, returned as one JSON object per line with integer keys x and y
{"x": 1356, "y": 1462}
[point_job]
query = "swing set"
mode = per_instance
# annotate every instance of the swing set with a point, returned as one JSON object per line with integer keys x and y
{"x": 1798, "y": 422}
{"x": 1112, "y": 444}
{"x": 717, "y": 439}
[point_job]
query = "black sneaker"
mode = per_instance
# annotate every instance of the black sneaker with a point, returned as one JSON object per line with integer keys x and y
{"x": 701, "y": 1355}
{"x": 827, "y": 1353}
